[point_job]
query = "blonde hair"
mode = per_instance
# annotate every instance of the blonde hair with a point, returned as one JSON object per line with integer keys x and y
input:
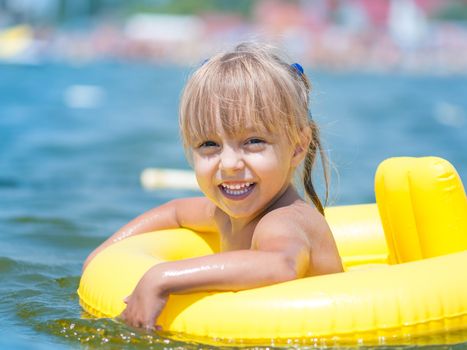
{"x": 251, "y": 86}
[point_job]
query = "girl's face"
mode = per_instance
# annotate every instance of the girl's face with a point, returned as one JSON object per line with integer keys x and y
{"x": 245, "y": 173}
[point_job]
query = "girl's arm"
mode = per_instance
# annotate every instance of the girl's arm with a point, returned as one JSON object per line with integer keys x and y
{"x": 276, "y": 259}
{"x": 194, "y": 213}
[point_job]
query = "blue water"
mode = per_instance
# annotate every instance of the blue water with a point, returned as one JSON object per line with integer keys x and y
{"x": 74, "y": 139}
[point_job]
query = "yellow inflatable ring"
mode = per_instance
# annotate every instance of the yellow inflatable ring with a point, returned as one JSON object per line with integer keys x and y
{"x": 373, "y": 302}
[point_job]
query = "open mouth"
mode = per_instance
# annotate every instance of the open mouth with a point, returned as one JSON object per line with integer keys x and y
{"x": 237, "y": 191}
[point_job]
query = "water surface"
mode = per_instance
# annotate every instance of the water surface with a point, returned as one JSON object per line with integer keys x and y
{"x": 74, "y": 139}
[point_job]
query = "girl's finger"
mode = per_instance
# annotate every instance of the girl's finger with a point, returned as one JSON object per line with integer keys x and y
{"x": 149, "y": 327}
{"x": 122, "y": 316}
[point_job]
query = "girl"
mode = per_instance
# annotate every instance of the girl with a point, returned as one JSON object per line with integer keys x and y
{"x": 245, "y": 125}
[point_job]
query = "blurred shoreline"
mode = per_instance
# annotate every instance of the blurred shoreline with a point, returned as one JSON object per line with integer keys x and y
{"x": 394, "y": 36}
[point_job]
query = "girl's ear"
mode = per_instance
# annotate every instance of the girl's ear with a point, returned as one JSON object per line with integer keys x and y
{"x": 301, "y": 147}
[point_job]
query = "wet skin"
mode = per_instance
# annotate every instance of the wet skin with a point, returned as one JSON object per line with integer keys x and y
{"x": 268, "y": 233}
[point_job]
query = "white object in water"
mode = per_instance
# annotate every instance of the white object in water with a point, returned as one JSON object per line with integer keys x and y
{"x": 450, "y": 114}
{"x": 154, "y": 178}
{"x": 83, "y": 96}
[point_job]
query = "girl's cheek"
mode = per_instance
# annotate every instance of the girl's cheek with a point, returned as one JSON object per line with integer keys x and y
{"x": 264, "y": 160}
{"x": 204, "y": 164}
{"x": 205, "y": 170}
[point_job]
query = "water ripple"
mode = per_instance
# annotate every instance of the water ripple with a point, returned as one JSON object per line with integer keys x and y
{"x": 7, "y": 265}
{"x": 108, "y": 334}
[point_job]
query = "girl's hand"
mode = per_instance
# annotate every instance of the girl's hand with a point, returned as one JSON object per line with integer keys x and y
{"x": 146, "y": 303}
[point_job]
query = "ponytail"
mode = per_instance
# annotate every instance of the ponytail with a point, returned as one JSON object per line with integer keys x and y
{"x": 314, "y": 147}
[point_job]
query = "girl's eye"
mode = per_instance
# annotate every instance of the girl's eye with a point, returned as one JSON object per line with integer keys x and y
{"x": 255, "y": 141}
{"x": 208, "y": 148}
{"x": 207, "y": 144}
{"x": 255, "y": 144}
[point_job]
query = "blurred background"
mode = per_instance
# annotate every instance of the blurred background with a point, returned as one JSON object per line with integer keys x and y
{"x": 381, "y": 35}
{"x": 89, "y": 93}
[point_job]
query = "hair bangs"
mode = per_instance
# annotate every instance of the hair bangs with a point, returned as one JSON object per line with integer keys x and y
{"x": 238, "y": 94}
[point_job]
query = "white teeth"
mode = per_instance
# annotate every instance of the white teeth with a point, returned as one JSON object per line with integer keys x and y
{"x": 236, "y": 193}
{"x": 236, "y": 186}
{"x": 237, "y": 189}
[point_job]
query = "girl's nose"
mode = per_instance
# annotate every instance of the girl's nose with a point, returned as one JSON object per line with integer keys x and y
{"x": 231, "y": 160}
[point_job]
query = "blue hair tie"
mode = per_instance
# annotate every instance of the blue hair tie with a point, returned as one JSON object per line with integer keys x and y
{"x": 298, "y": 68}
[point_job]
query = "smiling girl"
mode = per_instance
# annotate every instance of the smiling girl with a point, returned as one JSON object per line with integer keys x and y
{"x": 245, "y": 125}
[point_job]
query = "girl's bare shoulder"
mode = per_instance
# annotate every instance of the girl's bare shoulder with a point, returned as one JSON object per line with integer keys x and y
{"x": 296, "y": 220}
{"x": 303, "y": 223}
{"x": 298, "y": 215}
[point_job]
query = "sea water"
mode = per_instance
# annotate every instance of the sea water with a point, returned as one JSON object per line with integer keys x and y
{"x": 74, "y": 140}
